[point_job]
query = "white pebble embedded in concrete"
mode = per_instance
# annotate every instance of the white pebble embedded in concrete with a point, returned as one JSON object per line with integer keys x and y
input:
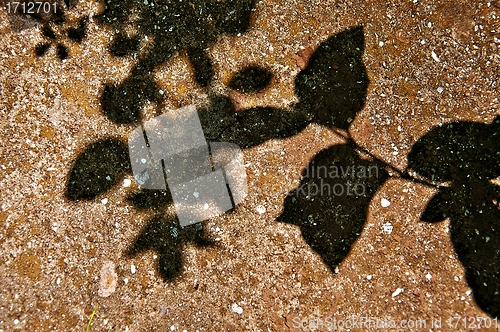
{"x": 237, "y": 309}
{"x": 397, "y": 292}
{"x": 435, "y": 57}
{"x": 385, "y": 203}
{"x": 261, "y": 209}
{"x": 387, "y": 228}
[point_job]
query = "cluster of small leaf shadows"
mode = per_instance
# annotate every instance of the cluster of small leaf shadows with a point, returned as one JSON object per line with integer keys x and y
{"x": 49, "y": 29}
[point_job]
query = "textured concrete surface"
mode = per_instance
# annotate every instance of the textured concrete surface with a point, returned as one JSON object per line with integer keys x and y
{"x": 368, "y": 82}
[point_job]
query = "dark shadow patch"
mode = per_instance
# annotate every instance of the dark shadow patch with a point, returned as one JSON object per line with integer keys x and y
{"x": 122, "y": 104}
{"x": 258, "y": 125}
{"x": 202, "y": 66}
{"x": 331, "y": 203}
{"x": 165, "y": 236}
{"x": 332, "y": 89}
{"x": 457, "y": 151}
{"x": 41, "y": 49}
{"x": 97, "y": 169}
{"x": 122, "y": 45}
{"x": 468, "y": 155}
{"x": 217, "y": 117}
{"x": 62, "y": 52}
{"x": 77, "y": 34}
{"x": 251, "y": 80}
{"x": 157, "y": 200}
{"x": 48, "y": 32}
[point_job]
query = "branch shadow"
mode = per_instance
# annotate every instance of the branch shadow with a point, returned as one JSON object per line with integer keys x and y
{"x": 331, "y": 91}
{"x": 338, "y": 89}
{"x": 172, "y": 26}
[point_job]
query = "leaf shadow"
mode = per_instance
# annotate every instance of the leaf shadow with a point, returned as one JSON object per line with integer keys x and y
{"x": 251, "y": 79}
{"x": 340, "y": 89}
{"x": 174, "y": 26}
{"x": 467, "y": 154}
{"x": 332, "y": 88}
{"x": 331, "y": 202}
{"x": 331, "y": 91}
{"x": 97, "y": 169}
{"x": 166, "y": 237}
